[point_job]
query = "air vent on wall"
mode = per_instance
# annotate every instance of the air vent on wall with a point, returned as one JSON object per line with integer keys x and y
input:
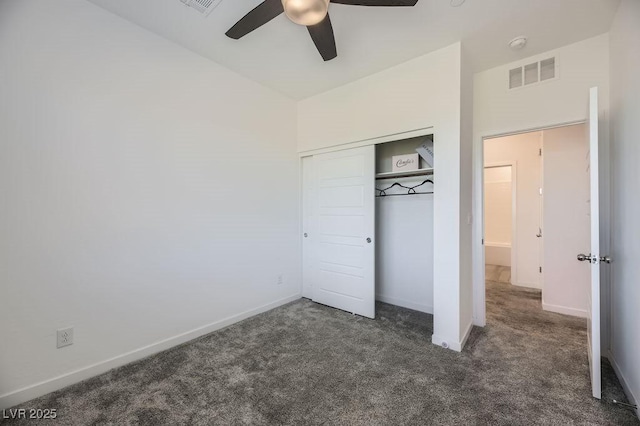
{"x": 532, "y": 73}
{"x": 203, "y": 6}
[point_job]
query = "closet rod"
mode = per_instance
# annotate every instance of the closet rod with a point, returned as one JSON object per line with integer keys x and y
{"x": 404, "y": 195}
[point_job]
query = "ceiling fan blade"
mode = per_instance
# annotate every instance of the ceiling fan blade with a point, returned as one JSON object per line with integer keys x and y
{"x": 377, "y": 2}
{"x": 322, "y": 36}
{"x": 263, "y": 13}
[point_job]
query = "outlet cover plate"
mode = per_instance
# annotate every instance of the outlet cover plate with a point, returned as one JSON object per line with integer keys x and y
{"x": 65, "y": 337}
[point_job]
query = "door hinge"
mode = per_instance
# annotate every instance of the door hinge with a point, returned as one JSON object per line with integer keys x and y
{"x": 540, "y": 152}
{"x": 540, "y": 268}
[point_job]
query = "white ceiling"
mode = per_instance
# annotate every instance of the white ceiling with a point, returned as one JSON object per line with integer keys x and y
{"x": 281, "y": 55}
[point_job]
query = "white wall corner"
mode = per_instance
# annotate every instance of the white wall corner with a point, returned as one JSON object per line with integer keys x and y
{"x": 466, "y": 335}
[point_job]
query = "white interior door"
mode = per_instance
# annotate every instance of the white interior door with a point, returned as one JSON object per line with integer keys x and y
{"x": 344, "y": 246}
{"x": 594, "y": 258}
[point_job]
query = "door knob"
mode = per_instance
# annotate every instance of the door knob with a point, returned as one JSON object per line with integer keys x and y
{"x": 584, "y": 257}
{"x": 306, "y": 235}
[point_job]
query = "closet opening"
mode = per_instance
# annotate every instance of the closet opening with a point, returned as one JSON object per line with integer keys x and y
{"x": 367, "y": 226}
{"x": 404, "y": 223}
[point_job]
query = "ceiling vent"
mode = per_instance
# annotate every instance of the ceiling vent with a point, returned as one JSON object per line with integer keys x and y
{"x": 533, "y": 73}
{"x": 203, "y": 6}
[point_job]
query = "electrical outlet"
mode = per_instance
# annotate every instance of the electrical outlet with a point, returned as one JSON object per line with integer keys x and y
{"x": 65, "y": 337}
{"x": 280, "y": 279}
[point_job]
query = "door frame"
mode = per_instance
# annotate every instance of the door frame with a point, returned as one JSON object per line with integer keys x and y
{"x": 306, "y": 257}
{"x": 477, "y": 249}
{"x": 514, "y": 204}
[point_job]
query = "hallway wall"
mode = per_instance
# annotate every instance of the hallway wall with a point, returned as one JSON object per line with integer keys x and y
{"x": 498, "y": 212}
{"x": 523, "y": 151}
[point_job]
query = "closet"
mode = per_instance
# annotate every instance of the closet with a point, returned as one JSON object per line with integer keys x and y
{"x": 367, "y": 229}
{"x": 404, "y": 229}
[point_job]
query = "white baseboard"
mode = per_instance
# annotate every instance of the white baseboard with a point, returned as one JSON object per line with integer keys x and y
{"x": 453, "y": 345}
{"x": 564, "y": 310}
{"x": 625, "y": 385}
{"x": 405, "y": 304}
{"x": 528, "y": 285}
{"x": 33, "y": 391}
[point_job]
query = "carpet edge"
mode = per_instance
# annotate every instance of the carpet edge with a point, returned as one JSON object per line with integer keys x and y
{"x": 44, "y": 387}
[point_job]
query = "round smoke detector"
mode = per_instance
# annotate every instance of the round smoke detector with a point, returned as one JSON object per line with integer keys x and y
{"x": 518, "y": 43}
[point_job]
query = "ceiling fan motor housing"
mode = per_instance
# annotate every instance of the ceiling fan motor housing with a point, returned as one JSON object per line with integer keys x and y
{"x": 306, "y": 12}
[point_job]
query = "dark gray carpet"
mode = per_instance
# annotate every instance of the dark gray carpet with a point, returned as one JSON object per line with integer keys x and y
{"x": 305, "y": 363}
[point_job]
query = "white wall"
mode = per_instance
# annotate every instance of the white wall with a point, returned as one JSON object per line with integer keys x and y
{"x": 566, "y": 220}
{"x": 404, "y": 250}
{"x": 497, "y": 254}
{"x": 580, "y": 66}
{"x": 144, "y": 190}
{"x": 498, "y": 111}
{"x": 497, "y": 205}
{"x": 625, "y": 113}
{"x": 420, "y": 93}
{"x": 497, "y": 215}
{"x": 523, "y": 151}
{"x": 424, "y": 92}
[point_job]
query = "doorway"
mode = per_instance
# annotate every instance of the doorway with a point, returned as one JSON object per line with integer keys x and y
{"x": 591, "y": 256}
{"x": 536, "y": 215}
{"x": 512, "y": 206}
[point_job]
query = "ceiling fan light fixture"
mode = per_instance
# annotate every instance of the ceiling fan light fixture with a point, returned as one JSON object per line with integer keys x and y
{"x": 306, "y": 12}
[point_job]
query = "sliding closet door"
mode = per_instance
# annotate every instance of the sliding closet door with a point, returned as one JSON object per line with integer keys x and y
{"x": 344, "y": 247}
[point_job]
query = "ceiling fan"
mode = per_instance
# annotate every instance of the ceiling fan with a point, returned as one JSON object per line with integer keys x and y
{"x": 310, "y": 13}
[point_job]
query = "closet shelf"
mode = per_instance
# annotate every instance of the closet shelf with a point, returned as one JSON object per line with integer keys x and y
{"x": 395, "y": 175}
